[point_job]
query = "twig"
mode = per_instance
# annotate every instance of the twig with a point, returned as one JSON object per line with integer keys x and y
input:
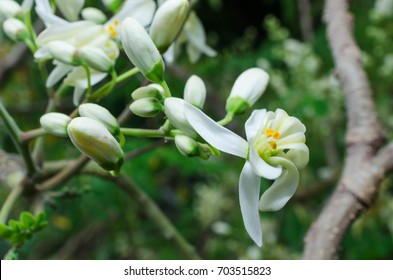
{"x": 145, "y": 149}
{"x": 364, "y": 167}
{"x": 305, "y": 19}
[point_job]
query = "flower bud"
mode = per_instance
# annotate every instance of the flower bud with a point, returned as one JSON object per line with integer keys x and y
{"x": 93, "y": 139}
{"x": 195, "y": 91}
{"x": 9, "y": 9}
{"x": 101, "y": 114}
{"x": 94, "y": 15}
{"x": 71, "y": 8}
{"x": 63, "y": 52}
{"x": 174, "y": 110}
{"x": 146, "y": 107}
{"x": 190, "y": 148}
{"x": 152, "y": 90}
{"x": 15, "y": 29}
{"x": 96, "y": 58}
{"x": 55, "y": 123}
{"x": 248, "y": 88}
{"x": 112, "y": 5}
{"x": 141, "y": 50}
{"x": 167, "y": 22}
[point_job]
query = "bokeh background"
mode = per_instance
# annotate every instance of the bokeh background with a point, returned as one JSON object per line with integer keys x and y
{"x": 93, "y": 219}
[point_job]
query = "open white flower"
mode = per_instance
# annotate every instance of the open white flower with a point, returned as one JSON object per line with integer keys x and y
{"x": 275, "y": 149}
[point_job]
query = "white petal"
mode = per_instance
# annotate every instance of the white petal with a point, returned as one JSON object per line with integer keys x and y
{"x": 78, "y": 93}
{"x": 71, "y": 8}
{"x": 280, "y": 117}
{"x": 290, "y": 126}
{"x": 215, "y": 134}
{"x": 44, "y": 11}
{"x": 261, "y": 168}
{"x": 299, "y": 155}
{"x": 297, "y": 137}
{"x": 248, "y": 196}
{"x": 254, "y": 122}
{"x": 57, "y": 74}
{"x": 141, "y": 10}
{"x": 278, "y": 194}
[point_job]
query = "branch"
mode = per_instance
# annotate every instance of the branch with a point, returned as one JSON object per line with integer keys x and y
{"x": 365, "y": 164}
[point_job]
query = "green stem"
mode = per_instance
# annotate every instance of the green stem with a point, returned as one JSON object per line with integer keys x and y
{"x": 104, "y": 90}
{"x": 88, "y": 74}
{"x": 127, "y": 75}
{"x": 139, "y": 132}
{"x": 16, "y": 136}
{"x": 167, "y": 91}
{"x": 228, "y": 118}
{"x": 9, "y": 203}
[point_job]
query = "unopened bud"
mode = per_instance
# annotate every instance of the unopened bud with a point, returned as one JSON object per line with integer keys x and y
{"x": 141, "y": 50}
{"x": 152, "y": 90}
{"x": 146, "y": 107}
{"x": 9, "y": 9}
{"x": 112, "y": 5}
{"x": 71, "y": 8}
{"x": 195, "y": 91}
{"x": 96, "y": 58}
{"x": 101, "y": 114}
{"x": 174, "y": 110}
{"x": 94, "y": 15}
{"x": 191, "y": 148}
{"x": 247, "y": 89}
{"x": 55, "y": 123}
{"x": 93, "y": 139}
{"x": 167, "y": 22}
{"x": 15, "y": 29}
{"x": 63, "y": 52}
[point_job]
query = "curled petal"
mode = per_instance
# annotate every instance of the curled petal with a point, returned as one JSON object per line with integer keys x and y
{"x": 248, "y": 195}
{"x": 57, "y": 74}
{"x": 297, "y": 137}
{"x": 278, "y": 194}
{"x": 215, "y": 134}
{"x": 299, "y": 155}
{"x": 254, "y": 122}
{"x": 261, "y": 168}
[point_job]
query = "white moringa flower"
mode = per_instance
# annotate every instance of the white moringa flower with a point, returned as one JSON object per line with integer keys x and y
{"x": 275, "y": 149}
{"x": 141, "y": 50}
{"x": 247, "y": 89}
{"x": 195, "y": 91}
{"x": 167, "y": 22}
{"x": 174, "y": 110}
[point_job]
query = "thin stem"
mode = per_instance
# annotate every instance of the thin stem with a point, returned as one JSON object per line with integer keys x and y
{"x": 16, "y": 136}
{"x": 104, "y": 90}
{"x": 127, "y": 75}
{"x": 228, "y": 118}
{"x": 31, "y": 134}
{"x": 167, "y": 91}
{"x": 9, "y": 203}
{"x": 139, "y": 132}
{"x": 65, "y": 174}
{"x": 88, "y": 74}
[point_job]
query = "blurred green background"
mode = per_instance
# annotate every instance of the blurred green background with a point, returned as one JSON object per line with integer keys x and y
{"x": 93, "y": 219}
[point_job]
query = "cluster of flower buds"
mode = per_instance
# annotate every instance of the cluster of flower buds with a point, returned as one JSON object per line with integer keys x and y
{"x": 147, "y": 101}
{"x": 92, "y": 133}
{"x": 12, "y": 14}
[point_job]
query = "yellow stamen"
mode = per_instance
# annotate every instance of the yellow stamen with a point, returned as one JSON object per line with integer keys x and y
{"x": 276, "y": 135}
{"x": 269, "y": 132}
{"x": 116, "y": 22}
{"x": 273, "y": 145}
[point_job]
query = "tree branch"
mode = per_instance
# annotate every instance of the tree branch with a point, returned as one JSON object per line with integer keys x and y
{"x": 365, "y": 163}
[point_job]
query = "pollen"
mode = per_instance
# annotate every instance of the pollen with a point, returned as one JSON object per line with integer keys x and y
{"x": 276, "y": 135}
{"x": 269, "y": 132}
{"x": 273, "y": 145}
{"x": 112, "y": 31}
{"x": 115, "y": 22}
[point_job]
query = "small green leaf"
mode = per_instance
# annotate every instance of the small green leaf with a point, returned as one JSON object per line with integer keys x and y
{"x": 27, "y": 219}
{"x": 5, "y": 231}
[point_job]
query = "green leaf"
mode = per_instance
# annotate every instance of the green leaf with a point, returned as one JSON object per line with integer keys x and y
{"x": 5, "y": 231}
{"x": 27, "y": 220}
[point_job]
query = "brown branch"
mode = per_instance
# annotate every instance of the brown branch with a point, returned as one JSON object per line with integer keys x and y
{"x": 365, "y": 167}
{"x": 305, "y": 19}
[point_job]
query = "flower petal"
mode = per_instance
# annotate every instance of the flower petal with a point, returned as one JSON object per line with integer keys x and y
{"x": 249, "y": 195}
{"x": 275, "y": 197}
{"x": 261, "y": 168}
{"x": 215, "y": 134}
{"x": 254, "y": 122}
{"x": 77, "y": 95}
{"x": 57, "y": 74}
{"x": 299, "y": 155}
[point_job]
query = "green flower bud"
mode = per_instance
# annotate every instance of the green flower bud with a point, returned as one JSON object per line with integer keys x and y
{"x": 141, "y": 50}
{"x": 146, "y": 107}
{"x": 101, "y": 114}
{"x": 64, "y": 52}
{"x": 152, "y": 90}
{"x": 167, "y": 22}
{"x": 190, "y": 148}
{"x": 94, "y": 15}
{"x": 9, "y": 9}
{"x": 55, "y": 123}
{"x": 195, "y": 91}
{"x": 174, "y": 110}
{"x": 93, "y": 139}
{"x": 96, "y": 59}
{"x": 15, "y": 29}
{"x": 112, "y": 5}
{"x": 247, "y": 89}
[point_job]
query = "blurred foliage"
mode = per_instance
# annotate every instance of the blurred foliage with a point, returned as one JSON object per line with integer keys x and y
{"x": 92, "y": 219}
